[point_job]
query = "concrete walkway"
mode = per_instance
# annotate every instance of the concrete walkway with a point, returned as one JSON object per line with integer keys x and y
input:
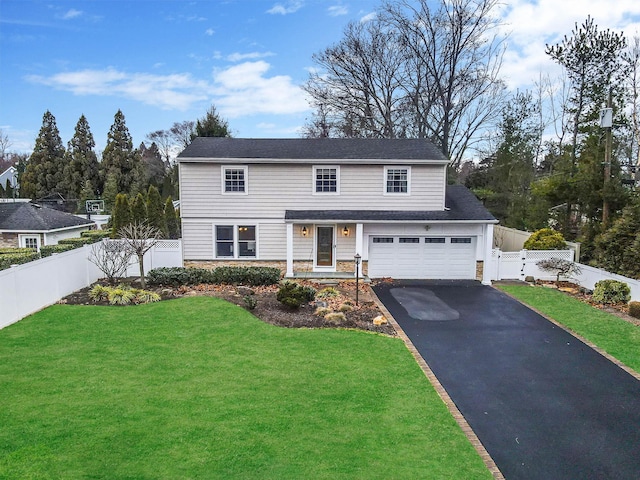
{"x": 543, "y": 404}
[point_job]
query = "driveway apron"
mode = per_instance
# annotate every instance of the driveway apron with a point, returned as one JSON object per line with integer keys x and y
{"x": 544, "y": 404}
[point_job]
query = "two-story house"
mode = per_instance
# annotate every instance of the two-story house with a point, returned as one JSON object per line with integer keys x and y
{"x": 312, "y": 205}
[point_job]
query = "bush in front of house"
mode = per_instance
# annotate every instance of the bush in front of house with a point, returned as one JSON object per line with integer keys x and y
{"x": 545, "y": 239}
{"x": 122, "y": 295}
{"x": 611, "y": 292}
{"x": 634, "y": 309}
{"x": 13, "y": 251}
{"x": 77, "y": 242}
{"x": 48, "y": 250}
{"x": 96, "y": 235}
{"x": 176, "y": 276}
{"x": 8, "y": 259}
{"x": 294, "y": 295}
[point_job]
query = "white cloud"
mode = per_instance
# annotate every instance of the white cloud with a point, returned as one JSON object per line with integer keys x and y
{"x": 209, "y": 31}
{"x": 238, "y": 57}
{"x": 291, "y": 6}
{"x": 245, "y": 89}
{"x": 368, "y": 17}
{"x": 72, "y": 13}
{"x": 338, "y": 10}
{"x": 169, "y": 92}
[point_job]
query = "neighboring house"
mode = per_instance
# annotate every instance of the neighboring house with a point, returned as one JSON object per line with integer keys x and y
{"x": 9, "y": 175}
{"x": 25, "y": 224}
{"x": 311, "y": 205}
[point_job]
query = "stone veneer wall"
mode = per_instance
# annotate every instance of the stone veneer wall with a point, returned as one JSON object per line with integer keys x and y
{"x": 9, "y": 240}
{"x": 298, "y": 266}
{"x": 479, "y": 269}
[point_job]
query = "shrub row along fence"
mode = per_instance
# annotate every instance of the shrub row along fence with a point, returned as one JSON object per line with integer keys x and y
{"x": 523, "y": 264}
{"x": 27, "y": 288}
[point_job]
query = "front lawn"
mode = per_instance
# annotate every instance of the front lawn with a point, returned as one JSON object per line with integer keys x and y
{"x": 617, "y": 337}
{"x": 199, "y": 388}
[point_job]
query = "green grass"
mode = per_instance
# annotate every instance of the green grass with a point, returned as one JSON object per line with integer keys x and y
{"x": 199, "y": 388}
{"x": 617, "y": 337}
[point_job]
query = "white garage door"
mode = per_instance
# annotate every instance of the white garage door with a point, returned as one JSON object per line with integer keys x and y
{"x": 422, "y": 257}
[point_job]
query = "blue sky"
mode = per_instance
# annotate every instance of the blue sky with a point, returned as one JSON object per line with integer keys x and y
{"x": 166, "y": 61}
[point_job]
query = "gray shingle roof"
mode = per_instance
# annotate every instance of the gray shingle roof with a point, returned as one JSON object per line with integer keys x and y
{"x": 461, "y": 204}
{"x": 26, "y": 217}
{"x": 312, "y": 148}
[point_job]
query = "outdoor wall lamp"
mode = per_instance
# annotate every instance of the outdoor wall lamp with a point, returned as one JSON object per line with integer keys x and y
{"x": 345, "y": 231}
{"x": 305, "y": 232}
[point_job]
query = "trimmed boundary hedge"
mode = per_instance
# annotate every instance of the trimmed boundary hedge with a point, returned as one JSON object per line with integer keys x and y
{"x": 177, "y": 276}
{"x": 8, "y": 259}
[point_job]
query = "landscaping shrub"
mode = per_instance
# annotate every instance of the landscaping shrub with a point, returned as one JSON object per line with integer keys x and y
{"x": 99, "y": 293}
{"x": 634, "y": 309}
{"x": 610, "y": 292}
{"x": 48, "y": 250}
{"x": 96, "y": 235}
{"x": 5, "y": 251}
{"x": 176, "y": 276}
{"x": 8, "y": 259}
{"x": 345, "y": 307}
{"x": 122, "y": 295}
{"x": 328, "y": 292}
{"x": 293, "y": 295}
{"x": 545, "y": 239}
{"x": 77, "y": 242}
{"x": 250, "y": 302}
{"x": 322, "y": 311}
{"x": 335, "y": 318}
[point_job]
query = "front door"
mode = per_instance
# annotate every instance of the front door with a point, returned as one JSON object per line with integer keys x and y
{"x": 324, "y": 246}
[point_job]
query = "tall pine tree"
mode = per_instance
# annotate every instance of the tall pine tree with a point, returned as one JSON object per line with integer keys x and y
{"x": 155, "y": 210}
{"x": 43, "y": 174}
{"x": 120, "y": 158}
{"x": 82, "y": 163}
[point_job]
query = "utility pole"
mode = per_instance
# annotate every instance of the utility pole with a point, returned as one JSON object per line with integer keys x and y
{"x": 606, "y": 122}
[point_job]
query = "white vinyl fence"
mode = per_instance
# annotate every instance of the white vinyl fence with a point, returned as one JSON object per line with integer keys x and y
{"x": 522, "y": 264}
{"x": 27, "y": 288}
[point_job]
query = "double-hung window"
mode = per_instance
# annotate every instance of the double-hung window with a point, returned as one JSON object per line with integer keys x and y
{"x": 236, "y": 241}
{"x": 397, "y": 180}
{"x": 326, "y": 180}
{"x": 234, "y": 179}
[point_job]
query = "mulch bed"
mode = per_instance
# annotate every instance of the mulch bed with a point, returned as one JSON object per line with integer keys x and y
{"x": 268, "y": 309}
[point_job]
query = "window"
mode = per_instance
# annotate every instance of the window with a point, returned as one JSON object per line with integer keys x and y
{"x": 434, "y": 240}
{"x": 224, "y": 241}
{"x": 397, "y": 179}
{"x": 409, "y": 240}
{"x": 325, "y": 179}
{"x": 382, "y": 240}
{"x": 460, "y": 240}
{"x": 236, "y": 241}
{"x": 246, "y": 241}
{"x": 234, "y": 179}
{"x": 31, "y": 242}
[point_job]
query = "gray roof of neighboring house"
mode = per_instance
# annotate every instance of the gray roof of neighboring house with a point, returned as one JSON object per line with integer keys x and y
{"x": 30, "y": 217}
{"x": 461, "y": 205}
{"x": 313, "y": 149}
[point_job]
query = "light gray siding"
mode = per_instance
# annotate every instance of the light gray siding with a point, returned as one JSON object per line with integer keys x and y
{"x": 276, "y": 188}
{"x": 197, "y": 240}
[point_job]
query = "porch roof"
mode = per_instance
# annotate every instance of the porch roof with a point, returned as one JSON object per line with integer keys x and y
{"x": 461, "y": 205}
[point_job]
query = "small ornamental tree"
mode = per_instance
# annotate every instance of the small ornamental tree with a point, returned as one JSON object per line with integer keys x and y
{"x": 545, "y": 239}
{"x": 111, "y": 258}
{"x": 138, "y": 239}
{"x": 560, "y": 267}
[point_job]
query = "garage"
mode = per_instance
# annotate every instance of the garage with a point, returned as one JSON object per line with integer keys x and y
{"x": 418, "y": 257}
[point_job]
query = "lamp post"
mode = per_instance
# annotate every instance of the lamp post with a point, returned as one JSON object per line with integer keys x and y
{"x": 357, "y": 258}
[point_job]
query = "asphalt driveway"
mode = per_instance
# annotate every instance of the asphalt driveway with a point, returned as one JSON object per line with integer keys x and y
{"x": 544, "y": 404}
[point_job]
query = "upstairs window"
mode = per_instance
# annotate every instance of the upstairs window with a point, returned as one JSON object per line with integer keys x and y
{"x": 325, "y": 179}
{"x": 397, "y": 180}
{"x": 234, "y": 179}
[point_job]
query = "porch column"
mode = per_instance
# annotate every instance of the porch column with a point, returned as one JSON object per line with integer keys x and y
{"x": 359, "y": 245}
{"x": 488, "y": 246}
{"x": 289, "y": 272}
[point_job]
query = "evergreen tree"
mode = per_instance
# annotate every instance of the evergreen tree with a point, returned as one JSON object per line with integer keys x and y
{"x": 120, "y": 157}
{"x": 43, "y": 174}
{"x": 81, "y": 162}
{"x": 121, "y": 214}
{"x": 618, "y": 249}
{"x": 155, "y": 210}
{"x": 87, "y": 193}
{"x": 171, "y": 219}
{"x": 211, "y": 125}
{"x": 138, "y": 209}
{"x": 152, "y": 164}
{"x": 110, "y": 190}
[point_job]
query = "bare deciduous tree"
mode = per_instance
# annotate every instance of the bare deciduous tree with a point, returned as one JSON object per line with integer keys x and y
{"x": 138, "y": 239}
{"x": 111, "y": 257}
